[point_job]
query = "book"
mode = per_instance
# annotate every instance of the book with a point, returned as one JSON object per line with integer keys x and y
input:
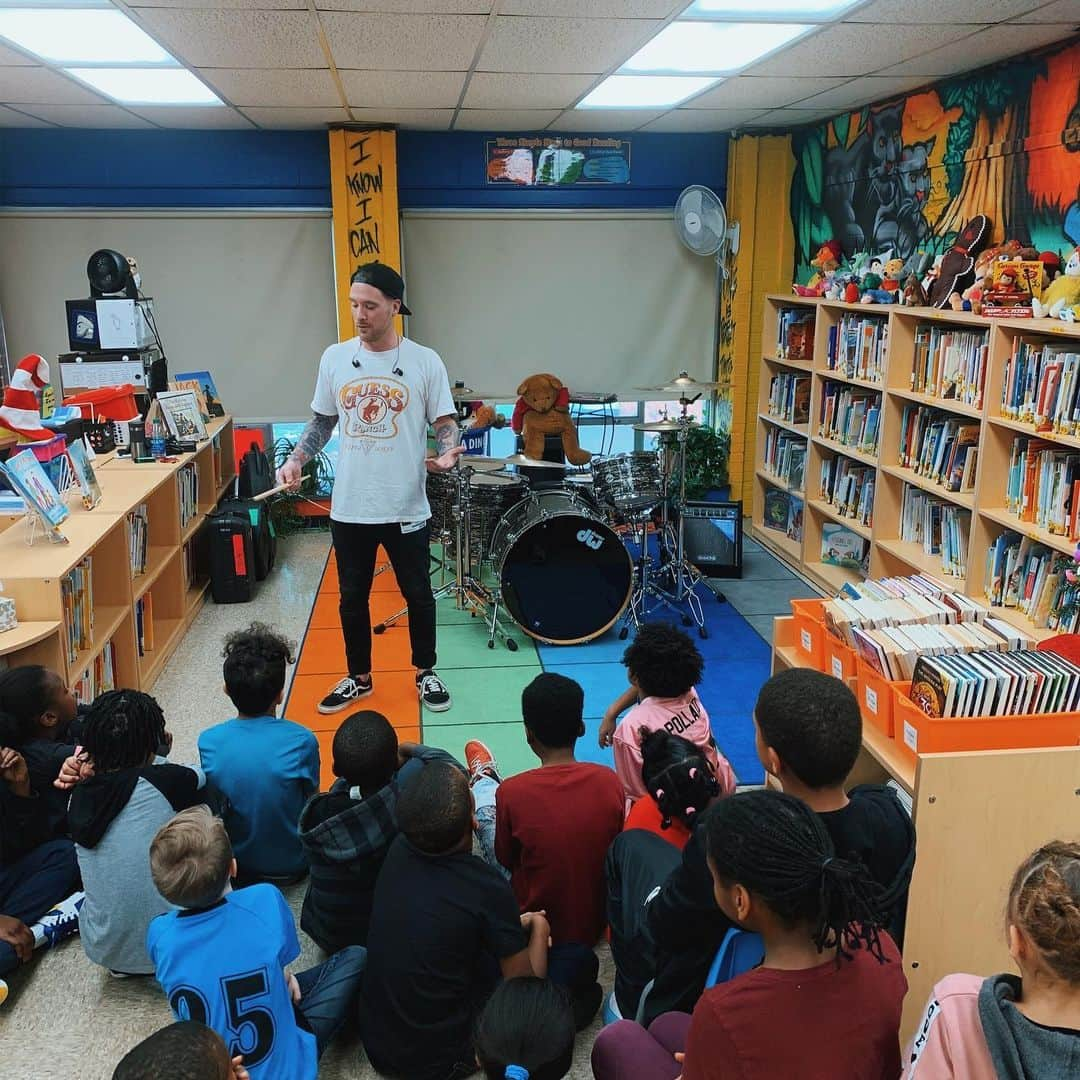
{"x": 209, "y": 390}
{"x": 24, "y": 473}
{"x": 84, "y": 473}
{"x": 777, "y": 511}
{"x": 795, "y": 519}
{"x": 842, "y": 547}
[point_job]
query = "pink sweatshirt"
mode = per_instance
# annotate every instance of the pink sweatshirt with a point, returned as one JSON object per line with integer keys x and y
{"x": 684, "y": 716}
{"x": 949, "y": 1043}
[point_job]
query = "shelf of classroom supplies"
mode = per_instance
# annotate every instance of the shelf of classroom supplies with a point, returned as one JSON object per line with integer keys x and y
{"x": 774, "y": 481}
{"x": 842, "y": 448}
{"x": 830, "y": 511}
{"x": 797, "y": 365}
{"x": 37, "y": 642}
{"x": 932, "y": 402}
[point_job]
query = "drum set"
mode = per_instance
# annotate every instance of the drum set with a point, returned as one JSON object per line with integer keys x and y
{"x": 566, "y": 560}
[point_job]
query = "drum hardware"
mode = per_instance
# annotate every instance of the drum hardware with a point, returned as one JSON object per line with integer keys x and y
{"x": 494, "y": 464}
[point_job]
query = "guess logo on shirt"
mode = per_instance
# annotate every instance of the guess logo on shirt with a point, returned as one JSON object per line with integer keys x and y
{"x": 371, "y": 407}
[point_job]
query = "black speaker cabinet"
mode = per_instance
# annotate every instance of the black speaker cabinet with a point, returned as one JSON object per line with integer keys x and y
{"x": 713, "y": 534}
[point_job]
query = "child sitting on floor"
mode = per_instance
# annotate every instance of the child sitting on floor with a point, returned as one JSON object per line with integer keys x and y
{"x": 664, "y": 667}
{"x": 347, "y": 831}
{"x": 808, "y": 732}
{"x": 1022, "y": 1028}
{"x": 443, "y": 926}
{"x": 526, "y": 1030}
{"x": 222, "y": 958}
{"x": 186, "y": 1050}
{"x": 680, "y": 783}
{"x": 825, "y": 1001}
{"x": 267, "y": 767}
{"x": 114, "y": 815}
{"x": 552, "y": 829}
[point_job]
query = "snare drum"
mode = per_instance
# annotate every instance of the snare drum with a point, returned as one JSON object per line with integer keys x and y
{"x": 564, "y": 575}
{"x": 628, "y": 482}
{"x": 490, "y": 495}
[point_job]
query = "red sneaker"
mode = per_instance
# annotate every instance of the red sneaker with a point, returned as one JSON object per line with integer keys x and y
{"x": 480, "y": 761}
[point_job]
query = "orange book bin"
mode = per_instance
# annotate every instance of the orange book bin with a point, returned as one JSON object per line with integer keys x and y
{"x": 810, "y": 632}
{"x": 876, "y": 696}
{"x": 837, "y": 659}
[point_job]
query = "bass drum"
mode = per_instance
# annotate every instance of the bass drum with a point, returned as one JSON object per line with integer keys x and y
{"x": 564, "y": 575}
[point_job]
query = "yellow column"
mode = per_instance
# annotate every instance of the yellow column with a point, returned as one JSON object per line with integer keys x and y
{"x": 760, "y": 169}
{"x": 364, "y": 193}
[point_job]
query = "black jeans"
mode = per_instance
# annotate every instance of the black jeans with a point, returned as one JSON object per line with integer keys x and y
{"x": 356, "y": 547}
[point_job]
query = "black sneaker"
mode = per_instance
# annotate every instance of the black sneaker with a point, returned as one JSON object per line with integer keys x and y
{"x": 433, "y": 692}
{"x": 345, "y": 693}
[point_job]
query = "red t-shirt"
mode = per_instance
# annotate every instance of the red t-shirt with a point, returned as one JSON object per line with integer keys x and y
{"x": 821, "y": 1023}
{"x": 645, "y": 814}
{"x": 553, "y": 827}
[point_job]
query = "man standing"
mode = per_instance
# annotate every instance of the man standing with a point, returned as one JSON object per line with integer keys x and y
{"x": 382, "y": 391}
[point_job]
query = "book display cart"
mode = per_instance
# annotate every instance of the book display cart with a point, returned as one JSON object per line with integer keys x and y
{"x": 111, "y": 605}
{"x": 904, "y": 464}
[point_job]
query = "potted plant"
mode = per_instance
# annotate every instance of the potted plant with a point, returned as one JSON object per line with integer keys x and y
{"x": 316, "y": 480}
{"x": 706, "y": 461}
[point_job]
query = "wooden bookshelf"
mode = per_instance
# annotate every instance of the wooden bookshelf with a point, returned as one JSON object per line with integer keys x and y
{"x": 32, "y": 573}
{"x": 888, "y": 553}
{"x": 977, "y": 816}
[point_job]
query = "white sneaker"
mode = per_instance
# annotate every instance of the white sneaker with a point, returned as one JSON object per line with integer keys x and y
{"x": 59, "y": 923}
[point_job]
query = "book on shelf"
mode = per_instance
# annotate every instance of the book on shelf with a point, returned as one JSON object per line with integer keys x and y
{"x": 1029, "y": 577}
{"x": 937, "y": 445}
{"x": 789, "y": 397}
{"x": 857, "y": 346}
{"x": 187, "y": 482}
{"x": 99, "y": 676}
{"x": 795, "y": 519}
{"x": 795, "y": 334}
{"x": 850, "y": 417}
{"x": 995, "y": 684}
{"x": 87, "y": 479}
{"x": 138, "y": 539}
{"x": 950, "y": 363}
{"x": 1043, "y": 485}
{"x": 77, "y": 605}
{"x": 189, "y": 565}
{"x": 777, "y": 509}
{"x": 144, "y": 624}
{"x": 785, "y": 457}
{"x": 27, "y": 478}
{"x": 1041, "y": 385}
{"x": 840, "y": 546}
{"x": 848, "y": 486}
{"x": 939, "y": 527}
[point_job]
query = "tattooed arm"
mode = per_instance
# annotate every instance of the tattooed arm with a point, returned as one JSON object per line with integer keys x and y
{"x": 312, "y": 439}
{"x": 447, "y": 450}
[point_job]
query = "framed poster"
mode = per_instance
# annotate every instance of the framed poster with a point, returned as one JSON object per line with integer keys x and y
{"x": 557, "y": 161}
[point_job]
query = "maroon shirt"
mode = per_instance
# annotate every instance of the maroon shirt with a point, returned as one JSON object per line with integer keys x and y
{"x": 821, "y": 1023}
{"x": 553, "y": 827}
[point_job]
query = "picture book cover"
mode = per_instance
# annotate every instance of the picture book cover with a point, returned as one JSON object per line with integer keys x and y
{"x": 196, "y": 389}
{"x": 928, "y": 688}
{"x": 795, "y": 519}
{"x": 777, "y": 509}
{"x": 800, "y": 413}
{"x": 842, "y": 547}
{"x": 208, "y": 387}
{"x": 29, "y": 479}
{"x": 182, "y": 415}
{"x": 84, "y": 473}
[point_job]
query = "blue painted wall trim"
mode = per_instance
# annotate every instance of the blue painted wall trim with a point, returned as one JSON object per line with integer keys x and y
{"x": 236, "y": 169}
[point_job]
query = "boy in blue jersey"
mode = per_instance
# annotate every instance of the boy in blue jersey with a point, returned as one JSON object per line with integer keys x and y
{"x": 221, "y": 959}
{"x": 265, "y": 766}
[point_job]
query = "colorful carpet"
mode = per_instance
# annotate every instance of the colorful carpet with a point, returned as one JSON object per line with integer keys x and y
{"x": 486, "y": 684}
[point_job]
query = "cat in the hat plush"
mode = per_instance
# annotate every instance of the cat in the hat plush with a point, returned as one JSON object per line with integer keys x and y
{"x": 20, "y": 412}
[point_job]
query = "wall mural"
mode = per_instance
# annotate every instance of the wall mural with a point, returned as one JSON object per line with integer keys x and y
{"x": 908, "y": 174}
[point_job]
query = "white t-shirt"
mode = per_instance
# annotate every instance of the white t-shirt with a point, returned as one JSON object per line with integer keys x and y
{"x": 383, "y": 408}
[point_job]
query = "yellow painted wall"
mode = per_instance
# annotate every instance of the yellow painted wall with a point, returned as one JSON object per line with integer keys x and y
{"x": 760, "y": 169}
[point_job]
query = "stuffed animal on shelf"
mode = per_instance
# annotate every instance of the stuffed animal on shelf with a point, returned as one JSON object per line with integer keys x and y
{"x": 543, "y": 415}
{"x": 826, "y": 262}
{"x": 485, "y": 416}
{"x": 956, "y": 270}
{"x": 887, "y": 290}
{"x": 1062, "y": 297}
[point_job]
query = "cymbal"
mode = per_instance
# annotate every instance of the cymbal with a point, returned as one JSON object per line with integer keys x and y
{"x": 667, "y": 425}
{"x": 684, "y": 383}
{"x": 491, "y": 464}
{"x": 465, "y": 393}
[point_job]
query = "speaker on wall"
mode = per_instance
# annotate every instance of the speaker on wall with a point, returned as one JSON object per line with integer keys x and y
{"x": 713, "y": 534}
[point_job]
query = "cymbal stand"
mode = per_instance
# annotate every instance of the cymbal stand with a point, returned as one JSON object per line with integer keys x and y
{"x": 646, "y": 581}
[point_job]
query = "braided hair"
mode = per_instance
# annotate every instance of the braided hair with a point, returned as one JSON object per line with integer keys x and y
{"x": 677, "y": 775}
{"x": 123, "y": 729}
{"x": 778, "y": 849}
{"x": 1044, "y": 900}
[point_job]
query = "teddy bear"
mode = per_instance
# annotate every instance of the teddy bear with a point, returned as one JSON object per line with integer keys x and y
{"x": 547, "y": 412}
{"x": 1062, "y": 296}
{"x": 825, "y": 263}
{"x": 888, "y": 287}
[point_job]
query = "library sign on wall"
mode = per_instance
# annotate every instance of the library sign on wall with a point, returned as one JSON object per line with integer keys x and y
{"x": 566, "y": 161}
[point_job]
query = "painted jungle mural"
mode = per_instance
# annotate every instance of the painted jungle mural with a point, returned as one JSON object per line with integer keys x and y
{"x": 907, "y": 174}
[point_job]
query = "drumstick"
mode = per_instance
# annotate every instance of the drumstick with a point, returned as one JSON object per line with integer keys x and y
{"x": 273, "y": 491}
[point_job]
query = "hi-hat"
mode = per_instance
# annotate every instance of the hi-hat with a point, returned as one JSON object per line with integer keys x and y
{"x": 466, "y": 393}
{"x": 667, "y": 425}
{"x": 490, "y": 464}
{"x": 685, "y": 383}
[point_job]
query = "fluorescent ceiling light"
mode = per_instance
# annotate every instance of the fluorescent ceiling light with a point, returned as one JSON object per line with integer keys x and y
{"x": 81, "y": 36}
{"x": 644, "y": 91}
{"x": 712, "y": 47}
{"x": 768, "y": 9}
{"x": 148, "y": 86}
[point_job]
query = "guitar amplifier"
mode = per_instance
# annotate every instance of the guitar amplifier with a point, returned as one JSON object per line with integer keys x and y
{"x": 713, "y": 535}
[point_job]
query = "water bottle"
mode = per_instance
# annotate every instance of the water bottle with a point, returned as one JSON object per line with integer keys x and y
{"x": 157, "y": 439}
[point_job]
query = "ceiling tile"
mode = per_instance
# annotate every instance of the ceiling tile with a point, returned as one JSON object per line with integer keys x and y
{"x": 602, "y": 121}
{"x": 409, "y": 7}
{"x": 489, "y": 90}
{"x": 261, "y": 86}
{"x": 192, "y": 117}
{"x": 504, "y": 119}
{"x": 424, "y": 119}
{"x": 789, "y": 117}
{"x": 941, "y": 11}
{"x": 14, "y": 58}
{"x": 40, "y": 86}
{"x": 224, "y": 5}
{"x": 595, "y": 9}
{"x": 96, "y": 117}
{"x": 296, "y": 118}
{"x": 588, "y": 46}
{"x": 12, "y": 118}
{"x": 862, "y": 91}
{"x": 762, "y": 92}
{"x": 985, "y": 47}
{"x": 687, "y": 120}
{"x": 403, "y": 42}
{"x": 1062, "y": 11}
{"x": 227, "y": 39}
{"x": 403, "y": 89}
{"x": 858, "y": 49}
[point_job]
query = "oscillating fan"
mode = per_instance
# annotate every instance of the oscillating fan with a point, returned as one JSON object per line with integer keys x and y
{"x": 110, "y": 273}
{"x": 702, "y": 224}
